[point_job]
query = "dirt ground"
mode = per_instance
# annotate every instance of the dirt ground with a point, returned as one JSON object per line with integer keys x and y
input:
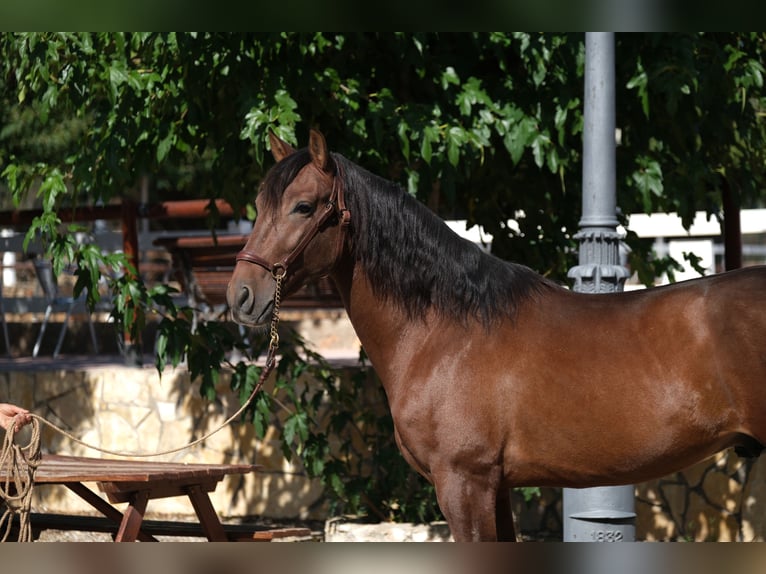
{"x": 316, "y": 527}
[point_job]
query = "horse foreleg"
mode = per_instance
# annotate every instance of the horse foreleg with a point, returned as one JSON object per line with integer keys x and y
{"x": 471, "y": 506}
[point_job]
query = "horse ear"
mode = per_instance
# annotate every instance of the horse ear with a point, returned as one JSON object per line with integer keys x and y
{"x": 320, "y": 155}
{"x": 280, "y": 149}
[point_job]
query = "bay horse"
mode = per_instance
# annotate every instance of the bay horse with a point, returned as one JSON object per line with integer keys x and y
{"x": 497, "y": 377}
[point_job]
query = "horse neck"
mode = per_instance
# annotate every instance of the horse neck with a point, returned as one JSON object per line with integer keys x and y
{"x": 384, "y": 329}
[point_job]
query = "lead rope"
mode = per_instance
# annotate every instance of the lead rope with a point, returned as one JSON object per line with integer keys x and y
{"x": 19, "y": 464}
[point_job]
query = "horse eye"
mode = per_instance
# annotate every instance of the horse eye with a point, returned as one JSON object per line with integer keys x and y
{"x": 304, "y": 208}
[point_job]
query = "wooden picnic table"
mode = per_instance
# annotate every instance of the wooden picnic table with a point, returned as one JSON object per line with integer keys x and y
{"x": 137, "y": 482}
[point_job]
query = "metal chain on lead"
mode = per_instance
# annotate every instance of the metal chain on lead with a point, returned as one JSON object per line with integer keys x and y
{"x": 278, "y": 272}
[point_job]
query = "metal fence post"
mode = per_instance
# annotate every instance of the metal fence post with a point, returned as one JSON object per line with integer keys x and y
{"x": 602, "y": 514}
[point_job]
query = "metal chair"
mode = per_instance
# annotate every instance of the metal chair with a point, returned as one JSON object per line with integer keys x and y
{"x": 49, "y": 285}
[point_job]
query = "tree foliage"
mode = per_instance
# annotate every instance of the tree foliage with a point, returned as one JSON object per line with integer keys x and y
{"x": 481, "y": 126}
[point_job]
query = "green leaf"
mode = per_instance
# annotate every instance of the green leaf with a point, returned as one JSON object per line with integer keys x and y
{"x": 539, "y": 144}
{"x": 519, "y": 137}
{"x": 430, "y": 135}
{"x": 161, "y": 346}
{"x": 117, "y": 77}
{"x": 648, "y": 181}
{"x": 295, "y": 427}
{"x": 402, "y": 131}
{"x": 639, "y": 82}
{"x": 449, "y": 77}
{"x": 456, "y": 136}
{"x": 164, "y": 146}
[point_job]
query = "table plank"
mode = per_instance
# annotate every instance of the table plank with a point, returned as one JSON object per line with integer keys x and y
{"x": 59, "y": 468}
{"x": 122, "y": 491}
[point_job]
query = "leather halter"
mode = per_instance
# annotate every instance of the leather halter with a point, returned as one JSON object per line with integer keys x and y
{"x": 335, "y": 205}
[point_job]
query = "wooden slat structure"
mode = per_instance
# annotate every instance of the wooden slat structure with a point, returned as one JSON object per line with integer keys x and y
{"x": 204, "y": 264}
{"x": 128, "y": 473}
{"x": 136, "y": 483}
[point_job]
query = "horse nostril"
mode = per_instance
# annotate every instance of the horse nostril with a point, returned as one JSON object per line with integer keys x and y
{"x": 244, "y": 297}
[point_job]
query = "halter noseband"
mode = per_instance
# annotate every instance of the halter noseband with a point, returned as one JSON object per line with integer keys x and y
{"x": 335, "y": 205}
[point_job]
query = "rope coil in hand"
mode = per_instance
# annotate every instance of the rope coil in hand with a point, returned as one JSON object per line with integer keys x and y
{"x": 18, "y": 464}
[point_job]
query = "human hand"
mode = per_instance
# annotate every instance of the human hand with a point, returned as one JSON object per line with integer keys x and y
{"x": 10, "y": 413}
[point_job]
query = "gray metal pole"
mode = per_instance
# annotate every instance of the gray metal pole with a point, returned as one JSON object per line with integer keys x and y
{"x": 602, "y": 514}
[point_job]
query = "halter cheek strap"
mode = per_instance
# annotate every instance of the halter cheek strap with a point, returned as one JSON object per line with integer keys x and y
{"x": 335, "y": 205}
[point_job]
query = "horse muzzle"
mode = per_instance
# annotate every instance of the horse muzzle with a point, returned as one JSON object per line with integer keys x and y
{"x": 246, "y": 307}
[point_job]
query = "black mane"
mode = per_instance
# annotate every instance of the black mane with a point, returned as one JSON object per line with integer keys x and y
{"x": 412, "y": 258}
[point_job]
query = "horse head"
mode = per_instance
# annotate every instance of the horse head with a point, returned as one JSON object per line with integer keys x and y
{"x": 299, "y": 233}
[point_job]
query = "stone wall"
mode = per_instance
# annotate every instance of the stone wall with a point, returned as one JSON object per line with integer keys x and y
{"x": 131, "y": 409}
{"x": 717, "y": 500}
